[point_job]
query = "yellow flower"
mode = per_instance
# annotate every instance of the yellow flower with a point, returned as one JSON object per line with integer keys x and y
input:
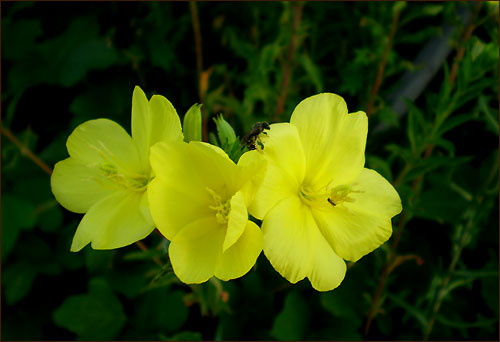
{"x": 107, "y": 174}
{"x": 199, "y": 201}
{"x": 318, "y": 203}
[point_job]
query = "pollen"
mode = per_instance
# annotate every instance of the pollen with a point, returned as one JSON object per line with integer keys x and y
{"x": 135, "y": 182}
{"x": 340, "y": 194}
{"x": 221, "y": 208}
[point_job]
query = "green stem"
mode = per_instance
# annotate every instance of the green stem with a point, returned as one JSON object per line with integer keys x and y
{"x": 457, "y": 251}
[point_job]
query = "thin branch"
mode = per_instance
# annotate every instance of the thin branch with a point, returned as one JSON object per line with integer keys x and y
{"x": 143, "y": 247}
{"x": 461, "y": 50}
{"x": 458, "y": 248}
{"x": 199, "y": 63}
{"x": 287, "y": 66}
{"x": 392, "y": 260}
{"x": 26, "y": 151}
{"x": 382, "y": 64}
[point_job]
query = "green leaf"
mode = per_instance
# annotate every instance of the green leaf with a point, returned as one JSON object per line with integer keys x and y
{"x": 454, "y": 121}
{"x": 161, "y": 310}
{"x": 26, "y": 31}
{"x": 98, "y": 261}
{"x": 17, "y": 211}
{"x": 388, "y": 116}
{"x": 490, "y": 118}
{"x": 480, "y": 322}
{"x": 192, "y": 124}
{"x": 413, "y": 311}
{"x": 50, "y": 220}
{"x": 85, "y": 56}
{"x": 344, "y": 302}
{"x": 17, "y": 214}
{"x": 441, "y": 204}
{"x": 380, "y": 165}
{"x": 293, "y": 321}
{"x": 185, "y": 336}
{"x": 312, "y": 71}
{"x": 18, "y": 279}
{"x": 107, "y": 99}
{"x": 97, "y": 315}
{"x": 129, "y": 279}
{"x": 489, "y": 291}
{"x": 143, "y": 255}
{"x": 415, "y": 125}
{"x": 432, "y": 163}
{"x": 446, "y": 144}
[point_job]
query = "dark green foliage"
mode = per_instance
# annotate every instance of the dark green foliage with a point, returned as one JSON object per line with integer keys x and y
{"x": 65, "y": 63}
{"x": 97, "y": 315}
{"x": 293, "y": 321}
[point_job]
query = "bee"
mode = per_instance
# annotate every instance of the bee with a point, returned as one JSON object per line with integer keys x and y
{"x": 251, "y": 140}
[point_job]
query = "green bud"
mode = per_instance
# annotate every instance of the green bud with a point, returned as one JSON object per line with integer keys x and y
{"x": 192, "y": 123}
{"x": 226, "y": 133}
{"x": 213, "y": 139}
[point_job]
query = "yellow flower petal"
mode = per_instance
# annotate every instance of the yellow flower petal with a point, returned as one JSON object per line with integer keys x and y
{"x": 285, "y": 169}
{"x": 77, "y": 186}
{"x": 153, "y": 121}
{"x": 175, "y": 205}
{"x": 295, "y": 247}
{"x": 374, "y": 195}
{"x": 196, "y": 165}
{"x": 196, "y": 249}
{"x": 165, "y": 122}
{"x": 240, "y": 257}
{"x": 327, "y": 268}
{"x": 237, "y": 220}
{"x": 358, "y": 226}
{"x": 251, "y": 172}
{"x": 334, "y": 141}
{"x": 352, "y": 234}
{"x": 286, "y": 240}
{"x": 184, "y": 173}
{"x": 102, "y": 141}
{"x": 282, "y": 146}
{"x": 141, "y": 122}
{"x": 113, "y": 222}
{"x": 144, "y": 208}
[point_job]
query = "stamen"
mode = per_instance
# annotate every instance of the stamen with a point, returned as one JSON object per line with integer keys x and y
{"x": 122, "y": 179}
{"x": 221, "y": 209}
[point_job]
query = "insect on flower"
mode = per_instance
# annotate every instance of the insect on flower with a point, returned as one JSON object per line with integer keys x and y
{"x": 318, "y": 203}
{"x": 252, "y": 140}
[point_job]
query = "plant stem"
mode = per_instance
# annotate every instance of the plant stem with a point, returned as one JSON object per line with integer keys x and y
{"x": 465, "y": 37}
{"x": 382, "y": 64}
{"x": 457, "y": 249}
{"x": 392, "y": 261}
{"x": 143, "y": 247}
{"x": 199, "y": 63}
{"x": 287, "y": 66}
{"x": 26, "y": 151}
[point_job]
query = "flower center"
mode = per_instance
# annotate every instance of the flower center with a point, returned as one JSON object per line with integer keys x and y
{"x": 131, "y": 181}
{"x": 327, "y": 197}
{"x": 221, "y": 209}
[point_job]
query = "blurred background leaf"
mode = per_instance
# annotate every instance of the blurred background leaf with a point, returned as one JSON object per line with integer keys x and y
{"x": 427, "y": 75}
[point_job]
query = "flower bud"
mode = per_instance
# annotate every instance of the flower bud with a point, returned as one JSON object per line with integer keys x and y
{"x": 226, "y": 133}
{"x": 192, "y": 123}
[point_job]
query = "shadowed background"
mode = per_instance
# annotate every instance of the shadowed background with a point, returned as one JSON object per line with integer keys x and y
{"x": 427, "y": 76}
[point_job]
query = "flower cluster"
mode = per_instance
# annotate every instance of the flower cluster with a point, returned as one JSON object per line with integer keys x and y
{"x": 305, "y": 180}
